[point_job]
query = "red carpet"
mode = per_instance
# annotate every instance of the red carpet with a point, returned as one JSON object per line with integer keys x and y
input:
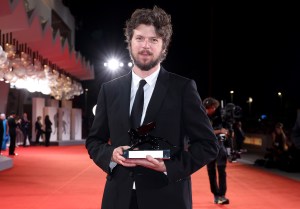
{"x": 65, "y": 178}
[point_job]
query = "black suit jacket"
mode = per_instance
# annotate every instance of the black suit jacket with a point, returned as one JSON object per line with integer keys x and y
{"x": 177, "y": 110}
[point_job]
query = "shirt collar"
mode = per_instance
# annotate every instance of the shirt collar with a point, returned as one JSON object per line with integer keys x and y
{"x": 151, "y": 79}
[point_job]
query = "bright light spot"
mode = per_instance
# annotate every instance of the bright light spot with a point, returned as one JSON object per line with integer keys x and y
{"x": 113, "y": 64}
{"x": 263, "y": 117}
{"x": 94, "y": 110}
{"x": 33, "y": 85}
{"x": 250, "y": 100}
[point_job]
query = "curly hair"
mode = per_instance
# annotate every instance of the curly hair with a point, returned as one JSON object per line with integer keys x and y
{"x": 156, "y": 17}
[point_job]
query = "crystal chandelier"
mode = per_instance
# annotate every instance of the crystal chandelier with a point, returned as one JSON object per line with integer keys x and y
{"x": 25, "y": 71}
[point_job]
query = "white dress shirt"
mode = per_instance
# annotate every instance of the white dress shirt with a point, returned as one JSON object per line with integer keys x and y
{"x": 148, "y": 90}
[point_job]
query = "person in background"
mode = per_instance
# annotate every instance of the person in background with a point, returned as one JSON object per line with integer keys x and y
{"x": 217, "y": 167}
{"x": 48, "y": 130}
{"x": 25, "y": 128}
{"x": 1, "y": 132}
{"x": 5, "y": 132}
{"x": 239, "y": 136}
{"x": 172, "y": 102}
{"x": 19, "y": 133}
{"x": 55, "y": 118}
{"x": 38, "y": 130}
{"x": 275, "y": 153}
{"x": 279, "y": 140}
{"x": 12, "y": 124}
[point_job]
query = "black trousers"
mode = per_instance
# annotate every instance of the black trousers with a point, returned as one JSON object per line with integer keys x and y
{"x": 47, "y": 138}
{"x": 26, "y": 135}
{"x": 12, "y": 144}
{"x": 239, "y": 144}
{"x": 218, "y": 186}
{"x": 38, "y": 136}
{"x": 133, "y": 201}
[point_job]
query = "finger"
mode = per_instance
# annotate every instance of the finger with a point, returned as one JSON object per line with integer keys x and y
{"x": 141, "y": 162}
{"x": 128, "y": 164}
{"x": 118, "y": 155}
{"x": 121, "y": 158}
{"x": 152, "y": 160}
{"x": 145, "y": 163}
{"x": 125, "y": 147}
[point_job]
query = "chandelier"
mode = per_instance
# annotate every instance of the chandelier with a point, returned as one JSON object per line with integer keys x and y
{"x": 23, "y": 69}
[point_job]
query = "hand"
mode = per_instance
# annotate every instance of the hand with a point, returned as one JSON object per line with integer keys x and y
{"x": 223, "y": 131}
{"x": 149, "y": 162}
{"x": 117, "y": 157}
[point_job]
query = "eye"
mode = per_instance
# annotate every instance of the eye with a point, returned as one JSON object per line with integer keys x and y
{"x": 139, "y": 38}
{"x": 154, "y": 40}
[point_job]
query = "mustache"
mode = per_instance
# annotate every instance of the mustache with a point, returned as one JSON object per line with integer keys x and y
{"x": 145, "y": 52}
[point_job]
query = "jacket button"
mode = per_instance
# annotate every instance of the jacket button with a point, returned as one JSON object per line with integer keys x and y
{"x": 131, "y": 174}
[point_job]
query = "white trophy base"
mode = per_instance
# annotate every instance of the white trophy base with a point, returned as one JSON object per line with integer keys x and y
{"x": 160, "y": 154}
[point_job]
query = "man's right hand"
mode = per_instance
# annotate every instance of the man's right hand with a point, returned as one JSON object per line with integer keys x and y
{"x": 117, "y": 156}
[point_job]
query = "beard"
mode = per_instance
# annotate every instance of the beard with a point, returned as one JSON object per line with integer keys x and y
{"x": 146, "y": 66}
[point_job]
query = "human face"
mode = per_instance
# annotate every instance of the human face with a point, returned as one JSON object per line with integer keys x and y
{"x": 211, "y": 110}
{"x": 146, "y": 47}
{"x": 278, "y": 130}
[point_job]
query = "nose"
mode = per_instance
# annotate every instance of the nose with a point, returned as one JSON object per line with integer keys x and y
{"x": 146, "y": 43}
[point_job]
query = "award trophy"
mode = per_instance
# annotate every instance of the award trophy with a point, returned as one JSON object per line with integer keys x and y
{"x": 141, "y": 136}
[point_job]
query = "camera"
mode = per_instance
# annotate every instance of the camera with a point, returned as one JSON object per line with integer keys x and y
{"x": 230, "y": 113}
{"x": 225, "y": 117}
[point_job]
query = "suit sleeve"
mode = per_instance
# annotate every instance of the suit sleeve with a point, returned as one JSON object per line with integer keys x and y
{"x": 203, "y": 146}
{"x": 99, "y": 150}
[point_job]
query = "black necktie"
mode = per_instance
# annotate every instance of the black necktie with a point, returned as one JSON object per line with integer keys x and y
{"x": 137, "y": 107}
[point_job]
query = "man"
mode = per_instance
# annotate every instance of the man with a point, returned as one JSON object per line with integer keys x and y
{"x": 5, "y": 131}
{"x": 38, "y": 130}
{"x": 172, "y": 102}
{"x": 25, "y": 127}
{"x": 12, "y": 124}
{"x": 218, "y": 188}
{"x": 239, "y": 136}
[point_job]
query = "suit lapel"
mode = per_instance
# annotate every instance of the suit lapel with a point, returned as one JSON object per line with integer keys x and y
{"x": 158, "y": 96}
{"x": 125, "y": 98}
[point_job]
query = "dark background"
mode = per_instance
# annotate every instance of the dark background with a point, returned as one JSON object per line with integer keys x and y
{"x": 251, "y": 47}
